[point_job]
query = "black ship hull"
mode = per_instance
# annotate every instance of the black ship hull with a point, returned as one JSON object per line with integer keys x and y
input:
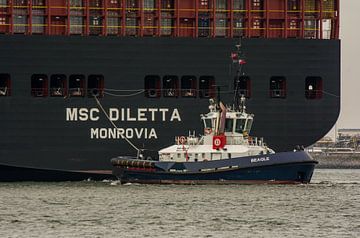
{"x": 38, "y": 132}
{"x": 21, "y": 174}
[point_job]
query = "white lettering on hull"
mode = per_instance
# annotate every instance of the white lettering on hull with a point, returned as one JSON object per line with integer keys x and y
{"x": 124, "y": 114}
{"x": 261, "y": 159}
{"x": 130, "y": 133}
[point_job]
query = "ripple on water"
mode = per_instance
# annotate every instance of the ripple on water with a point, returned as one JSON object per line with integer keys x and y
{"x": 329, "y": 207}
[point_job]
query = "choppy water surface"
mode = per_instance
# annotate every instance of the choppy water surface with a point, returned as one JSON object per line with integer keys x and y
{"x": 329, "y": 207}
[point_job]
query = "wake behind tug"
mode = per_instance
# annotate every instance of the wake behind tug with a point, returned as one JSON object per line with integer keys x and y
{"x": 225, "y": 154}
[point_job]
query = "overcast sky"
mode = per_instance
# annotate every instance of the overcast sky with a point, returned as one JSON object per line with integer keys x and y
{"x": 350, "y": 63}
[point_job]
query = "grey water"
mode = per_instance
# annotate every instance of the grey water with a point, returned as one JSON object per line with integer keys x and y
{"x": 328, "y": 207}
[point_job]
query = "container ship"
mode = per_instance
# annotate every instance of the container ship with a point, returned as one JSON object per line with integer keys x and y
{"x": 153, "y": 65}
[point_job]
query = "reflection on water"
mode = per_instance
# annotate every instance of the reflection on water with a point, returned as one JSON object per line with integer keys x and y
{"x": 328, "y": 207}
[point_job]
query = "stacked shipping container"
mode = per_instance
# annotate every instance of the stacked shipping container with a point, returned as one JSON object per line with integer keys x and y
{"x": 316, "y": 19}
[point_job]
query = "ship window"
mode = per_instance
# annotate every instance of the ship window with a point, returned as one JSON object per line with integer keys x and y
{"x": 243, "y": 85}
{"x": 188, "y": 86}
{"x": 58, "y": 85}
{"x": 95, "y": 25}
{"x": 278, "y": 87}
{"x": 204, "y": 25}
{"x": 39, "y": 85}
{"x": 240, "y": 125}
{"x": 293, "y": 5}
{"x": 207, "y": 87}
{"x": 257, "y": 3}
{"x": 204, "y": 2}
{"x": 207, "y": 123}
{"x": 167, "y": 4}
{"x": 238, "y": 4}
{"x": 5, "y": 85}
{"x": 313, "y": 88}
{"x": 95, "y": 85}
{"x": 77, "y": 85}
{"x": 170, "y": 86}
{"x": 152, "y": 86}
{"x": 149, "y": 4}
{"x": 248, "y": 125}
{"x": 229, "y": 123}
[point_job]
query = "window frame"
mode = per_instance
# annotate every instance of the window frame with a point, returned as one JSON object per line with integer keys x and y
{"x": 278, "y": 87}
{"x": 189, "y": 92}
{"x": 5, "y": 79}
{"x": 207, "y": 90}
{"x": 58, "y": 91}
{"x": 168, "y": 91}
{"x": 41, "y": 90}
{"x": 150, "y": 90}
{"x": 77, "y": 91}
{"x": 98, "y": 89}
{"x": 316, "y": 93}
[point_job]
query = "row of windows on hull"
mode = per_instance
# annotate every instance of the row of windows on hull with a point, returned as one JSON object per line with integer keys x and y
{"x": 59, "y": 86}
{"x": 154, "y": 87}
{"x": 206, "y": 89}
{"x": 278, "y": 87}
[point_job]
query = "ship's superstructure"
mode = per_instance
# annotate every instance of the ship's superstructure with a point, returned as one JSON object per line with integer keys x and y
{"x": 154, "y": 65}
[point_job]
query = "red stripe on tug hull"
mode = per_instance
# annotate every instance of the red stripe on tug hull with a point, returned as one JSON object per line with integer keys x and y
{"x": 141, "y": 169}
{"x": 220, "y": 182}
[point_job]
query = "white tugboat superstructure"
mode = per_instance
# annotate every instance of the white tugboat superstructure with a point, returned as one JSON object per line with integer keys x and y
{"x": 234, "y": 128}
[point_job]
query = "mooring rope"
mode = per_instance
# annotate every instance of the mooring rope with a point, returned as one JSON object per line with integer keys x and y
{"x": 113, "y": 124}
{"x": 127, "y": 95}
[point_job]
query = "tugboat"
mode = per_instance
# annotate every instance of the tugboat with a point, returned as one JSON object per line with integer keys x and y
{"x": 224, "y": 154}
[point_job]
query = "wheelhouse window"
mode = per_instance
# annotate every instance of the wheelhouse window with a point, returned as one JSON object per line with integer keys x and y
{"x": 188, "y": 86}
{"x": 58, "y": 85}
{"x": 95, "y": 85}
{"x": 240, "y": 125}
{"x": 242, "y": 84}
{"x": 170, "y": 86}
{"x": 229, "y": 124}
{"x": 207, "y": 87}
{"x": 248, "y": 125}
{"x": 39, "y": 85}
{"x": 313, "y": 87}
{"x": 278, "y": 87}
{"x": 208, "y": 125}
{"x": 77, "y": 85}
{"x": 152, "y": 86}
{"x": 5, "y": 85}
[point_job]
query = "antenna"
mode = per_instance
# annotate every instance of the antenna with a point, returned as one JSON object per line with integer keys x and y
{"x": 218, "y": 90}
{"x": 239, "y": 59}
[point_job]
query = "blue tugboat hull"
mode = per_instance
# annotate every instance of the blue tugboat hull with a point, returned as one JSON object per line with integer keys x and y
{"x": 279, "y": 168}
